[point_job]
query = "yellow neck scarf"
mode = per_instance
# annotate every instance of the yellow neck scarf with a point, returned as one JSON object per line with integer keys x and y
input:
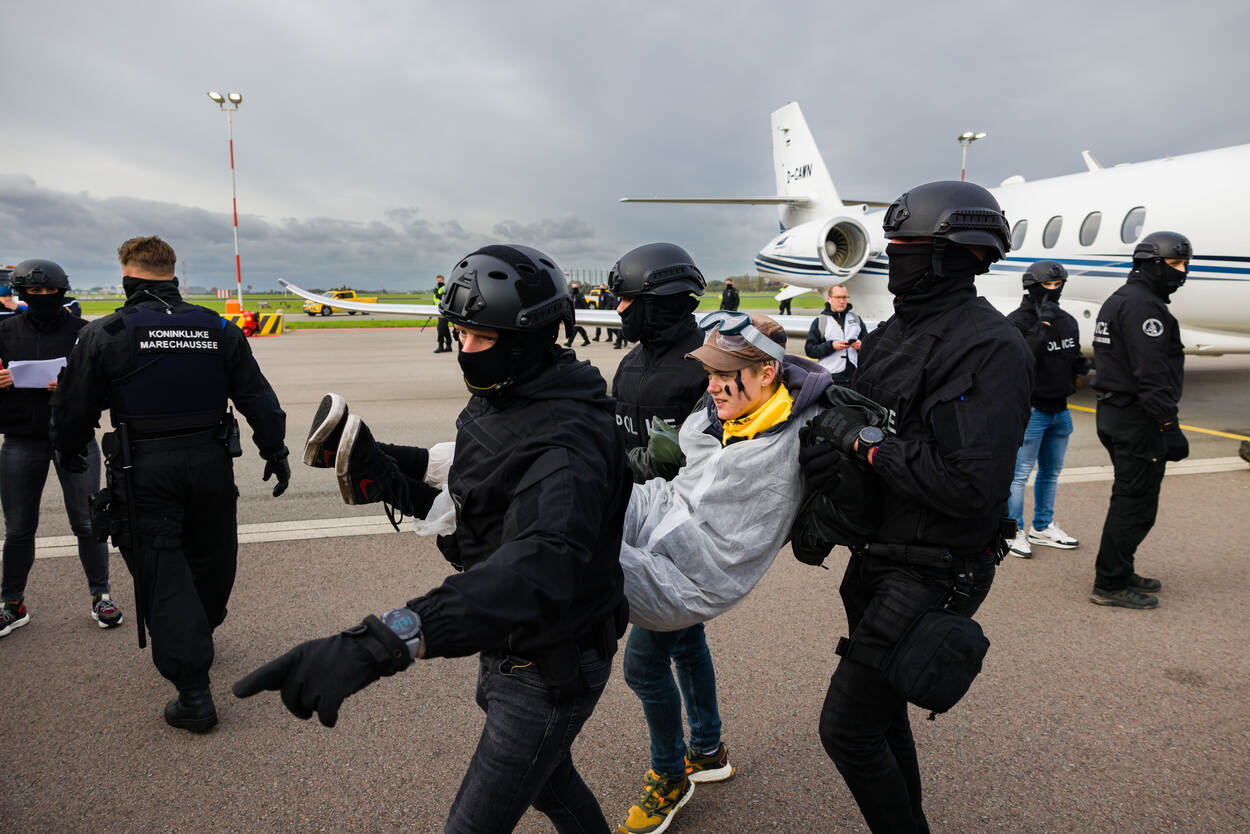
{"x": 775, "y": 410}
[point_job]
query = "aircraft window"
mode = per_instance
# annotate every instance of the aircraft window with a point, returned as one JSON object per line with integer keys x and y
{"x": 1050, "y": 235}
{"x": 1133, "y": 223}
{"x": 1018, "y": 232}
{"x": 1089, "y": 228}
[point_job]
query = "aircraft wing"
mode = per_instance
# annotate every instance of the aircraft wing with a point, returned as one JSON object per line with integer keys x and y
{"x": 592, "y": 318}
{"x": 423, "y": 310}
{"x": 790, "y": 291}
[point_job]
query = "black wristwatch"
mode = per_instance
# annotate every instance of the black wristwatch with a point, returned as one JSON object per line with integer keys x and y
{"x": 406, "y": 624}
{"x": 869, "y": 438}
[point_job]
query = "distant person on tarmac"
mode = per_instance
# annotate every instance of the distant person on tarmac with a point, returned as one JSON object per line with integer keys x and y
{"x": 46, "y": 332}
{"x": 729, "y": 296}
{"x": 571, "y": 328}
{"x": 1141, "y": 369}
{"x": 1055, "y": 342}
{"x": 444, "y": 331}
{"x": 834, "y": 337}
{"x": 783, "y": 307}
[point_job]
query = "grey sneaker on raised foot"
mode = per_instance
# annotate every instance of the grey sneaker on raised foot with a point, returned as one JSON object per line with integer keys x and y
{"x": 1144, "y": 583}
{"x": 1123, "y": 597}
{"x": 327, "y": 429}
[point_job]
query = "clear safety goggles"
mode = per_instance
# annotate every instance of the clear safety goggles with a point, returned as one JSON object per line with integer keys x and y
{"x": 734, "y": 331}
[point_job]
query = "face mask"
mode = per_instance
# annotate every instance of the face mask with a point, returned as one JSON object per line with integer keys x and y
{"x": 1038, "y": 294}
{"x": 910, "y": 267}
{"x": 485, "y": 370}
{"x": 633, "y": 318}
{"x": 961, "y": 262}
{"x": 1172, "y": 278}
{"x": 44, "y": 306}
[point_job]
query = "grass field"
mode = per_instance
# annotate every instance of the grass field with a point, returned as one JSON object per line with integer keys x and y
{"x": 296, "y": 319}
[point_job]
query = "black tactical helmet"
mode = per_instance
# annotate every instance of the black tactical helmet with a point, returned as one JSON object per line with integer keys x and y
{"x": 1163, "y": 245}
{"x": 655, "y": 269}
{"x": 1044, "y": 271}
{"x": 959, "y": 212}
{"x": 38, "y": 273}
{"x": 506, "y": 287}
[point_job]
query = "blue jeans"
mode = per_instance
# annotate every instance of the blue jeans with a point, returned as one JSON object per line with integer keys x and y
{"x": 23, "y": 472}
{"x": 647, "y": 671}
{"x": 1045, "y": 443}
{"x": 522, "y": 757}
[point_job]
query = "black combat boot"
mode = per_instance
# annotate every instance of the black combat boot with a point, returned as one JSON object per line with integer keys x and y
{"x": 192, "y": 710}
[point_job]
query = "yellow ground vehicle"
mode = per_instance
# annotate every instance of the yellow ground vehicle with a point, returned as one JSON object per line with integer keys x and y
{"x": 594, "y": 298}
{"x": 316, "y": 308}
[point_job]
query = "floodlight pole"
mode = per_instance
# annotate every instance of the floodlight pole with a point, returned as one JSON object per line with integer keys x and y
{"x": 965, "y": 139}
{"x": 234, "y": 99}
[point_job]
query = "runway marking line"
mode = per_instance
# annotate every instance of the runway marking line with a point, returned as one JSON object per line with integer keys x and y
{"x": 52, "y": 547}
{"x": 1197, "y": 429}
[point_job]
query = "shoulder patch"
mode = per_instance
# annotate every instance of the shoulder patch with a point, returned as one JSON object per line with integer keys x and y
{"x": 1152, "y": 328}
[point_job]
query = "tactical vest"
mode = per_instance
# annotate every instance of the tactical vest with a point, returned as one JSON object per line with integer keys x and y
{"x": 657, "y": 383}
{"x": 176, "y": 378}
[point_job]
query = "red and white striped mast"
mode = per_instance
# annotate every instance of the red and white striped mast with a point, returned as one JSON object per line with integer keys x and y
{"x": 234, "y": 99}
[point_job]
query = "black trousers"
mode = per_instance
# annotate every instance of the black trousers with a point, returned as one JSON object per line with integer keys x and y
{"x": 184, "y": 554}
{"x": 1136, "y": 447}
{"x": 864, "y": 725}
{"x": 444, "y": 334}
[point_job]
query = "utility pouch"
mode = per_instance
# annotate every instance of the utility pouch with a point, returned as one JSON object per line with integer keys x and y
{"x": 934, "y": 663}
{"x": 228, "y": 434}
{"x": 101, "y": 508}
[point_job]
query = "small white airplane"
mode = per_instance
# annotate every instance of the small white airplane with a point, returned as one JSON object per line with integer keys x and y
{"x": 1089, "y": 222}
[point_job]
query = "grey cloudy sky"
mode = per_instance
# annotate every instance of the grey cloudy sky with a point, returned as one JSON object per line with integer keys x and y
{"x": 378, "y": 142}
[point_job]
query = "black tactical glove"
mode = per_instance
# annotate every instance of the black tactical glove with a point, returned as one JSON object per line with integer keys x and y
{"x": 1175, "y": 446}
{"x": 1082, "y": 365}
{"x": 319, "y": 675}
{"x": 276, "y": 464}
{"x": 1048, "y": 311}
{"x": 839, "y": 426}
{"x": 74, "y": 462}
{"x": 818, "y": 461}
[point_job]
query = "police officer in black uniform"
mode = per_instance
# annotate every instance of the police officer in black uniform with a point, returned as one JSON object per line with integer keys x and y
{"x": 164, "y": 369}
{"x": 46, "y": 331}
{"x": 956, "y": 378}
{"x": 1141, "y": 367}
{"x": 540, "y": 484}
{"x": 444, "y": 330}
{"x": 659, "y": 288}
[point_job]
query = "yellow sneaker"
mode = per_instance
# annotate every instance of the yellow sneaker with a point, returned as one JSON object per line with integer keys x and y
{"x": 657, "y": 806}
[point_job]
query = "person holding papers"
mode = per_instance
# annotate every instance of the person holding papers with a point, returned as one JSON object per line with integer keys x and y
{"x": 33, "y": 347}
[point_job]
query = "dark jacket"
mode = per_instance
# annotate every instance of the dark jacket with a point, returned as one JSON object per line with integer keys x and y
{"x": 729, "y": 298}
{"x": 24, "y": 412}
{"x": 818, "y": 346}
{"x": 104, "y": 354}
{"x": 957, "y": 378}
{"x": 1138, "y": 350}
{"x": 1056, "y": 353}
{"x": 540, "y": 485}
{"x": 656, "y": 380}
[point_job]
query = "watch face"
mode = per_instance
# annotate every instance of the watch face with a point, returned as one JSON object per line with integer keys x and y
{"x": 403, "y": 621}
{"x": 871, "y": 435}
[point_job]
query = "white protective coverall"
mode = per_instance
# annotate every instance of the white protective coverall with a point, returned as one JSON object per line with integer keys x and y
{"x": 695, "y": 546}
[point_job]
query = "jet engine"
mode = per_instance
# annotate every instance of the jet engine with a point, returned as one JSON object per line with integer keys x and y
{"x": 841, "y": 244}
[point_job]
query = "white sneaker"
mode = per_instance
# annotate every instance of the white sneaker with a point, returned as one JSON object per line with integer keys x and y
{"x": 1052, "y": 536}
{"x": 1020, "y": 546}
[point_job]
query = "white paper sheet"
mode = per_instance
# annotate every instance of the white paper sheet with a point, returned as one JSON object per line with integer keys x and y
{"x": 35, "y": 373}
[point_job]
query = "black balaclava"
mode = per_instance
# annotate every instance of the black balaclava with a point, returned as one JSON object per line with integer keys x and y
{"x": 43, "y": 308}
{"x": 917, "y": 289}
{"x": 1163, "y": 279}
{"x": 657, "y": 319}
{"x": 514, "y": 358}
{"x": 132, "y": 285}
{"x": 1038, "y": 294}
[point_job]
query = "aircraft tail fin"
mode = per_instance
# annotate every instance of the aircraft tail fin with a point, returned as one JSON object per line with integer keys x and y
{"x": 800, "y": 169}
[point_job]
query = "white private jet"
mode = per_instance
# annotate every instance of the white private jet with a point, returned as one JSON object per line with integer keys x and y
{"x": 1089, "y": 222}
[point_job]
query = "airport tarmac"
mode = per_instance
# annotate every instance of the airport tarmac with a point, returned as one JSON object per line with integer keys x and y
{"x": 1084, "y": 719}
